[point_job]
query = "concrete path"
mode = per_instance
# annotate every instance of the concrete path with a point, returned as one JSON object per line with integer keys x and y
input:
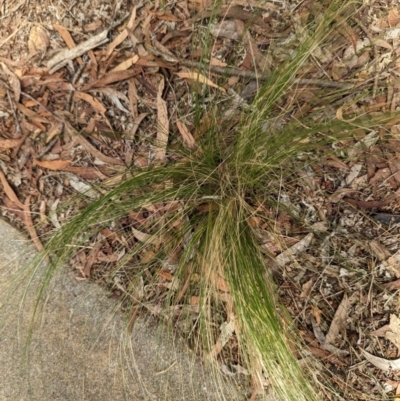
{"x": 79, "y": 350}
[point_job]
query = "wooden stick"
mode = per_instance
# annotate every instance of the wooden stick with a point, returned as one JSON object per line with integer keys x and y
{"x": 323, "y": 83}
{"x": 64, "y": 56}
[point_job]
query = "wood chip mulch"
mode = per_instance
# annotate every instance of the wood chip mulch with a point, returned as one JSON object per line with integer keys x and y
{"x": 82, "y": 83}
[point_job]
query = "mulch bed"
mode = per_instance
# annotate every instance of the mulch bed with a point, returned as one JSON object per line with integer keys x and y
{"x": 83, "y": 85}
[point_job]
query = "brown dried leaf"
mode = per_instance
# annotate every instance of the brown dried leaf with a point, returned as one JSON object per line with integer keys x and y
{"x": 392, "y": 384}
{"x": 9, "y": 143}
{"x": 110, "y": 78}
{"x": 338, "y": 195}
{"x": 306, "y": 288}
{"x": 354, "y": 173}
{"x": 42, "y": 212}
{"x": 95, "y": 103}
{"x": 30, "y": 128}
{"x": 96, "y": 153}
{"x": 135, "y": 125}
{"x": 26, "y": 111}
{"x": 53, "y": 164}
{"x": 38, "y": 41}
{"x": 371, "y": 204}
{"x": 333, "y": 161}
{"x": 381, "y": 363}
{"x": 14, "y": 82}
{"x": 380, "y": 252}
{"x": 339, "y": 115}
{"x": 133, "y": 98}
{"x": 201, "y": 4}
{"x": 227, "y": 330}
{"x": 381, "y": 332}
{"x": 349, "y": 33}
{"x": 167, "y": 17}
{"x": 126, "y": 64}
{"x": 115, "y": 96}
{"x": 197, "y": 77}
{"x": 392, "y": 264}
{"x": 13, "y": 208}
{"x": 83, "y": 187}
{"x": 394, "y": 166}
{"x": 382, "y": 43}
{"x": 219, "y": 63}
{"x": 186, "y": 135}
{"x": 116, "y": 42}
{"x": 53, "y": 212}
{"x": 55, "y": 130}
{"x": 162, "y": 51}
{"x": 29, "y": 225}
{"x": 393, "y": 335}
{"x": 91, "y": 259}
{"x": 380, "y": 176}
{"x": 316, "y": 312}
{"x": 290, "y": 253}
{"x": 143, "y": 237}
{"x": 166, "y": 275}
{"x": 37, "y": 122}
{"x": 226, "y": 29}
{"x": 253, "y": 49}
{"x": 393, "y": 285}
{"x": 93, "y": 26}
{"x": 319, "y": 335}
{"x": 9, "y": 191}
{"x": 339, "y": 320}
{"x": 163, "y": 123}
{"x": 66, "y": 36}
{"x": 122, "y": 35}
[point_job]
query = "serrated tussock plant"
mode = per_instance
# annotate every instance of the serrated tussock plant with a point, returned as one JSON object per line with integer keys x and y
{"x": 209, "y": 196}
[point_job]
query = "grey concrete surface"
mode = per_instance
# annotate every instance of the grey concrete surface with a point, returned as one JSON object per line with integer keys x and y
{"x": 79, "y": 349}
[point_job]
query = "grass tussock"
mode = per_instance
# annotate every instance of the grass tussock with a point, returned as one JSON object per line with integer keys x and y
{"x": 204, "y": 202}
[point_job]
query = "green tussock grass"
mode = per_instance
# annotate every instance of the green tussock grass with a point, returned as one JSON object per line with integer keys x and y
{"x": 233, "y": 174}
